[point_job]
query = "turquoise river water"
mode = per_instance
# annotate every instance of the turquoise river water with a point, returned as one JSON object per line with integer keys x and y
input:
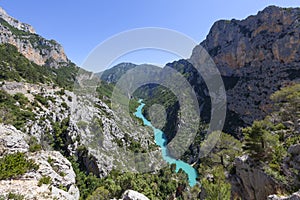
{"x": 161, "y": 141}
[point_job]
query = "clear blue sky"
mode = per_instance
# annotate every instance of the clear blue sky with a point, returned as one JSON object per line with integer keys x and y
{"x": 81, "y": 25}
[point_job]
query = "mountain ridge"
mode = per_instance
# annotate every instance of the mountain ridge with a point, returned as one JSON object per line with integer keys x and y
{"x": 31, "y": 45}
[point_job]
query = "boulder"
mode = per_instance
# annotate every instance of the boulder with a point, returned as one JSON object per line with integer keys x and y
{"x": 251, "y": 182}
{"x": 133, "y": 195}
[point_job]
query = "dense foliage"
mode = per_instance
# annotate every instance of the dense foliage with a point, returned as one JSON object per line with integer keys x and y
{"x": 213, "y": 167}
{"x": 14, "y": 165}
{"x": 267, "y": 141}
{"x": 154, "y": 185}
{"x": 217, "y": 188}
{"x": 15, "y": 109}
{"x": 160, "y": 185}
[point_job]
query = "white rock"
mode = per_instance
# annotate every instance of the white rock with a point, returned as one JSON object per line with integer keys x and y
{"x": 133, "y": 195}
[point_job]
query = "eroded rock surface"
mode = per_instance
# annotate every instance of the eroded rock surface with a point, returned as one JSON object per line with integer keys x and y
{"x": 51, "y": 164}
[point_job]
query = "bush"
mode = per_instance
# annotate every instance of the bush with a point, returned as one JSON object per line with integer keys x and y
{"x": 41, "y": 99}
{"x": 14, "y": 165}
{"x": 33, "y": 145}
{"x": 15, "y": 196}
{"x": 218, "y": 188}
{"x": 12, "y": 114}
{"x": 45, "y": 180}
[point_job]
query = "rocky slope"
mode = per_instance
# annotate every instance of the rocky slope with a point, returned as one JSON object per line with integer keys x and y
{"x": 103, "y": 133}
{"x": 251, "y": 182}
{"x": 32, "y": 46}
{"x": 51, "y": 164}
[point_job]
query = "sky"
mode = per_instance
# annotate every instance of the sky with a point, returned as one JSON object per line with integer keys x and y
{"x": 82, "y": 25}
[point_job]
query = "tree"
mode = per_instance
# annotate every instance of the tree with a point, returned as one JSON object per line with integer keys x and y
{"x": 224, "y": 152}
{"x": 259, "y": 141}
{"x": 99, "y": 194}
{"x": 288, "y": 101}
{"x": 216, "y": 188}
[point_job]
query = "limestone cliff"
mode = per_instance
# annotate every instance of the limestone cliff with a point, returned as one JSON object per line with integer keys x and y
{"x": 255, "y": 56}
{"x": 31, "y": 45}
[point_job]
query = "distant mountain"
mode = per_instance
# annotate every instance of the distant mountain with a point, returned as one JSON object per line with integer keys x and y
{"x": 113, "y": 74}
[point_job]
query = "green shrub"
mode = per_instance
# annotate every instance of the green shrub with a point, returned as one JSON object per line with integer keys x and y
{"x": 45, "y": 180}
{"x": 19, "y": 97}
{"x": 218, "y": 188}
{"x": 14, "y": 165}
{"x": 15, "y": 196}
{"x": 50, "y": 160}
{"x": 34, "y": 146}
{"x": 12, "y": 114}
{"x": 64, "y": 105}
{"x": 41, "y": 99}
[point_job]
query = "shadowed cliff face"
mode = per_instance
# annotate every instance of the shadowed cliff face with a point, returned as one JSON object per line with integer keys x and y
{"x": 272, "y": 34}
{"x": 255, "y": 56}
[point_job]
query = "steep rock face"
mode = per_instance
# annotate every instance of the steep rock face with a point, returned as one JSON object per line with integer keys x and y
{"x": 251, "y": 182}
{"x": 291, "y": 165}
{"x": 255, "y": 56}
{"x": 51, "y": 164}
{"x": 32, "y": 46}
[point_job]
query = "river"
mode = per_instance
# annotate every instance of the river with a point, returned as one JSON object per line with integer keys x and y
{"x": 161, "y": 141}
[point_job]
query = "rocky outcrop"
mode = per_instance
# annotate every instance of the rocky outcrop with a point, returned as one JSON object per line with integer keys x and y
{"x": 291, "y": 166}
{"x": 12, "y": 140}
{"x": 51, "y": 164}
{"x": 32, "y": 46}
{"x": 15, "y": 23}
{"x": 294, "y": 196}
{"x": 133, "y": 195}
{"x": 251, "y": 182}
{"x": 255, "y": 56}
